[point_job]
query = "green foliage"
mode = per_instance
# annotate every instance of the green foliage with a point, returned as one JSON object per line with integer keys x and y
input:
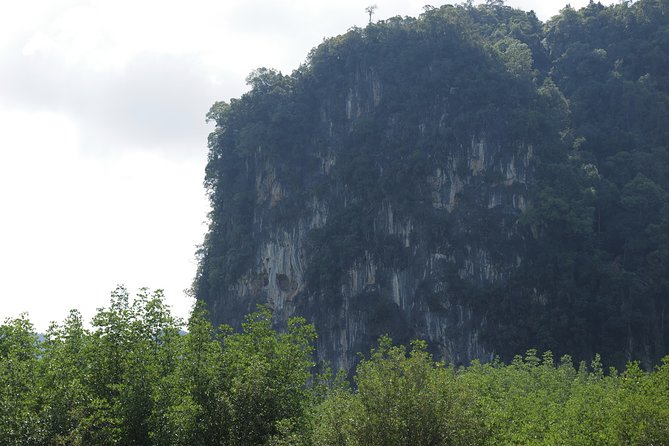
{"x": 19, "y": 392}
{"x": 197, "y": 415}
{"x": 64, "y": 375}
{"x": 133, "y": 379}
{"x": 265, "y": 376}
{"x": 409, "y": 399}
{"x": 258, "y": 387}
{"x": 402, "y": 398}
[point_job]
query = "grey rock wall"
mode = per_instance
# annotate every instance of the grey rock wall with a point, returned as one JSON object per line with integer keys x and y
{"x": 478, "y": 188}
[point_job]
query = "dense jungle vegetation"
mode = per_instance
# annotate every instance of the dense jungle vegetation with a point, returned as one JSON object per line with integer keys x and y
{"x": 589, "y": 89}
{"x": 133, "y": 379}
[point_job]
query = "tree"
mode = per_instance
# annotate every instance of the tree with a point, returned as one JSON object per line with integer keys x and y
{"x": 403, "y": 398}
{"x": 19, "y": 390}
{"x": 133, "y": 350}
{"x": 370, "y": 10}
{"x": 199, "y": 414}
{"x": 265, "y": 377}
{"x": 63, "y": 376}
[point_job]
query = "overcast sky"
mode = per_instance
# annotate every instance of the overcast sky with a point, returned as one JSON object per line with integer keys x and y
{"x": 103, "y": 139}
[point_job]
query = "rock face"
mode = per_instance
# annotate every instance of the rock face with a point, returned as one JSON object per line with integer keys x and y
{"x": 405, "y": 280}
{"x": 409, "y": 288}
{"x": 382, "y": 216}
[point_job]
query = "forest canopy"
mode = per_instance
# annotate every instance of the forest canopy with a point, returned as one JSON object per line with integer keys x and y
{"x": 133, "y": 379}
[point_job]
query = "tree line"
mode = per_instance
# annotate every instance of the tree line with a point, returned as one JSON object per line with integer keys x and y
{"x": 132, "y": 377}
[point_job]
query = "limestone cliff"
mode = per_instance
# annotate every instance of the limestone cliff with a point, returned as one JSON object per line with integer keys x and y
{"x": 391, "y": 204}
{"x": 425, "y": 178}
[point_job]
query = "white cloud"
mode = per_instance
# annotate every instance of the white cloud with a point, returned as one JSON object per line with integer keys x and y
{"x": 74, "y": 227}
{"x": 156, "y": 101}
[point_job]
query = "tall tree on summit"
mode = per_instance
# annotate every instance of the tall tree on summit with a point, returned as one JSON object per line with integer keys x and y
{"x": 370, "y": 10}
